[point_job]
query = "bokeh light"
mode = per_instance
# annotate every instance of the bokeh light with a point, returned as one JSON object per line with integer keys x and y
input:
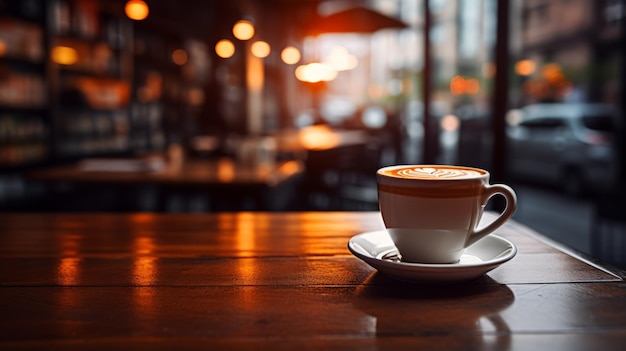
{"x": 260, "y": 49}
{"x": 225, "y": 48}
{"x": 525, "y": 67}
{"x": 243, "y": 30}
{"x": 195, "y": 96}
{"x": 472, "y": 86}
{"x": 290, "y": 55}
{"x": 450, "y": 123}
{"x": 64, "y": 55}
{"x": 460, "y": 85}
{"x": 552, "y": 73}
{"x": 179, "y": 57}
{"x": 318, "y": 137}
{"x": 315, "y": 72}
{"x": 457, "y": 85}
{"x": 137, "y": 10}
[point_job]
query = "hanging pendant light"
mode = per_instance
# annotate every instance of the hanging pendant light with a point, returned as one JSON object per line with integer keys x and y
{"x": 136, "y": 10}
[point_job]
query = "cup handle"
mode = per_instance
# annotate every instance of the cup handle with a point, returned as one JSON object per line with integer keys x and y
{"x": 511, "y": 204}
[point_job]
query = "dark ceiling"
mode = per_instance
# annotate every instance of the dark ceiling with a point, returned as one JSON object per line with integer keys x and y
{"x": 202, "y": 18}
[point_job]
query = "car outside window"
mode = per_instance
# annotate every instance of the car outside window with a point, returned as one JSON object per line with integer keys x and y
{"x": 599, "y": 123}
{"x": 543, "y": 123}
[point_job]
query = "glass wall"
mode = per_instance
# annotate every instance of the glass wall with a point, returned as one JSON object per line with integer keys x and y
{"x": 565, "y": 124}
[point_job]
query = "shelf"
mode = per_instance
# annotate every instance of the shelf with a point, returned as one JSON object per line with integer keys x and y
{"x": 22, "y": 142}
{"x": 14, "y": 156}
{"x": 21, "y": 41}
{"x": 22, "y": 61}
{"x": 22, "y": 110}
{"x": 91, "y": 41}
{"x": 93, "y": 147}
{"x": 85, "y": 72}
{"x": 74, "y": 110}
{"x": 84, "y": 109}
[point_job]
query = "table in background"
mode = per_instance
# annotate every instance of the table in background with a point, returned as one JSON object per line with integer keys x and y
{"x": 281, "y": 281}
{"x": 227, "y": 182}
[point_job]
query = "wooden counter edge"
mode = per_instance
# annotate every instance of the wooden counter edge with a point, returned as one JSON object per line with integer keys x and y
{"x": 584, "y": 257}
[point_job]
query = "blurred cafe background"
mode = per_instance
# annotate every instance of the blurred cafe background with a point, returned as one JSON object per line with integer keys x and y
{"x": 285, "y": 105}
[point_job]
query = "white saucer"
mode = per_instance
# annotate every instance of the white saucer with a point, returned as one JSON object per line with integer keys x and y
{"x": 377, "y": 250}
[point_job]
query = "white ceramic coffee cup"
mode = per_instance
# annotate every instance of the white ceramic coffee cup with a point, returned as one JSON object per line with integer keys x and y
{"x": 431, "y": 212}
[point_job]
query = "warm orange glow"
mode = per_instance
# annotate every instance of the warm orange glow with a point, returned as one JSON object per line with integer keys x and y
{"x": 243, "y": 30}
{"x": 144, "y": 267}
{"x": 64, "y": 55}
{"x": 552, "y": 73}
{"x": 290, "y": 167}
{"x": 144, "y": 270}
{"x": 68, "y": 271}
{"x": 179, "y": 57}
{"x": 225, "y": 48}
{"x": 315, "y": 72}
{"x": 142, "y": 218}
{"x": 457, "y": 85}
{"x": 255, "y": 75}
{"x": 245, "y": 233}
{"x": 3, "y": 48}
{"x": 301, "y": 73}
{"x": 104, "y": 93}
{"x": 247, "y": 268}
{"x": 472, "y": 86}
{"x": 318, "y": 138}
{"x": 551, "y": 84}
{"x": 152, "y": 89}
{"x": 260, "y": 49}
{"x": 290, "y": 55}
{"x": 225, "y": 170}
{"x": 144, "y": 246}
{"x": 195, "y": 96}
{"x": 136, "y": 10}
{"x": 255, "y": 80}
{"x": 525, "y": 67}
{"x": 69, "y": 267}
{"x": 460, "y": 85}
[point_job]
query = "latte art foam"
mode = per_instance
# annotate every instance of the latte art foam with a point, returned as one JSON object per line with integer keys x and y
{"x": 433, "y": 173}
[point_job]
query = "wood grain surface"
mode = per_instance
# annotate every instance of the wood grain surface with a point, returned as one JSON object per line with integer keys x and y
{"x": 281, "y": 281}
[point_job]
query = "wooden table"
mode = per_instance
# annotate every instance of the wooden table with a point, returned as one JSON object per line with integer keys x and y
{"x": 281, "y": 281}
{"x": 223, "y": 179}
{"x": 207, "y": 172}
